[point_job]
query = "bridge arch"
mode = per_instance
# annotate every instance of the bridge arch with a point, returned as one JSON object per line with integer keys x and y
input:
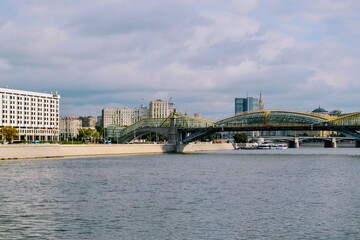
{"x": 188, "y": 129}
{"x": 161, "y": 126}
{"x": 277, "y": 118}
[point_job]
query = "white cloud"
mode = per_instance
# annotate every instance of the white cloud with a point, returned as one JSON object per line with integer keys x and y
{"x": 221, "y": 27}
{"x": 203, "y": 53}
{"x": 244, "y": 68}
{"x": 273, "y": 45}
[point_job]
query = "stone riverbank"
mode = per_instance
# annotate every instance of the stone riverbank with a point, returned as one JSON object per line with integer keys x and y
{"x": 32, "y": 151}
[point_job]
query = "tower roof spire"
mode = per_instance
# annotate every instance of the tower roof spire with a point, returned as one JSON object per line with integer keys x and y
{"x": 261, "y": 104}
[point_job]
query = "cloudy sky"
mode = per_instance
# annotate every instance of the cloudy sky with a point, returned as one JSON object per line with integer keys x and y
{"x": 202, "y": 53}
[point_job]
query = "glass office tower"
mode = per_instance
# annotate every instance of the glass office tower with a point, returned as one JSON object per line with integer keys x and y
{"x": 247, "y": 104}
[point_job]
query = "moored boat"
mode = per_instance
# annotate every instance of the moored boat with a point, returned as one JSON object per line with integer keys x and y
{"x": 264, "y": 146}
{"x": 272, "y": 146}
{"x": 281, "y": 146}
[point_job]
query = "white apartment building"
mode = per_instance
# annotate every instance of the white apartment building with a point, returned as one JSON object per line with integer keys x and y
{"x": 117, "y": 116}
{"x": 127, "y": 116}
{"x": 123, "y": 116}
{"x": 35, "y": 115}
{"x": 69, "y": 128}
{"x": 159, "y": 108}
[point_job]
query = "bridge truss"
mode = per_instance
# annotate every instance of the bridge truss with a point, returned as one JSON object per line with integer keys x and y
{"x": 191, "y": 129}
{"x": 160, "y": 126}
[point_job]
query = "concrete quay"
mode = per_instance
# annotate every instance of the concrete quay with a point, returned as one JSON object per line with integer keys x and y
{"x": 34, "y": 151}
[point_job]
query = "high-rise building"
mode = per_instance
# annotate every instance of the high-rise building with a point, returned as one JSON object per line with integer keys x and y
{"x": 35, "y": 115}
{"x": 247, "y": 104}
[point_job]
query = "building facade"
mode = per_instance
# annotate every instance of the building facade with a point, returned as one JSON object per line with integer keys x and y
{"x": 88, "y": 122}
{"x": 160, "y": 108}
{"x": 123, "y": 117}
{"x": 69, "y": 128}
{"x": 35, "y": 115}
{"x": 247, "y": 104}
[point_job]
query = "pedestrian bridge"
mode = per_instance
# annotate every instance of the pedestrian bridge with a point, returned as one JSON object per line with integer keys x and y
{"x": 184, "y": 129}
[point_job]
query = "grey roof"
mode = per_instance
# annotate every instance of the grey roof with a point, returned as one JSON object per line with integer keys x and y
{"x": 319, "y": 110}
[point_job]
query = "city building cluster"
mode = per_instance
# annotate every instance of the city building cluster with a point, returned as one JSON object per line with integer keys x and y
{"x": 248, "y": 104}
{"x": 36, "y": 115}
{"x": 70, "y": 126}
{"x": 115, "y": 117}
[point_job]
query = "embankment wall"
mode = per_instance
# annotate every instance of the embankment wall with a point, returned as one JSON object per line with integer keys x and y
{"x": 31, "y": 151}
{"x": 196, "y": 147}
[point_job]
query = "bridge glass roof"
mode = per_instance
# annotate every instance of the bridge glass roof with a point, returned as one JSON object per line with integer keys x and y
{"x": 274, "y": 118}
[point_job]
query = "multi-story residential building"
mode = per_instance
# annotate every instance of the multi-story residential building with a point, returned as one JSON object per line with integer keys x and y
{"x": 69, "y": 127}
{"x": 35, "y": 115}
{"x": 160, "y": 108}
{"x": 246, "y": 104}
{"x": 99, "y": 121}
{"x": 88, "y": 122}
{"x": 117, "y": 116}
{"x": 123, "y": 117}
{"x": 141, "y": 113}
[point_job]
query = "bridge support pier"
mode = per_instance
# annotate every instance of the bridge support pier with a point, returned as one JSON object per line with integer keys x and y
{"x": 173, "y": 145}
{"x": 294, "y": 144}
{"x": 172, "y": 135}
{"x": 357, "y": 143}
{"x": 330, "y": 143}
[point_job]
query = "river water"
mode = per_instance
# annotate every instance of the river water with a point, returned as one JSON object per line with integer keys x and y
{"x": 309, "y": 193}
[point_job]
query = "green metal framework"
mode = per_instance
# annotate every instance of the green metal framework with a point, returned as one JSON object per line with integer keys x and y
{"x": 256, "y": 120}
{"x": 275, "y": 118}
{"x": 182, "y": 121}
{"x": 351, "y": 119}
{"x": 348, "y": 124}
{"x": 151, "y": 124}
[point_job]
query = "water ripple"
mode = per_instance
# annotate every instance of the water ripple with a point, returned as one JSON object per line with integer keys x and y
{"x": 192, "y": 196}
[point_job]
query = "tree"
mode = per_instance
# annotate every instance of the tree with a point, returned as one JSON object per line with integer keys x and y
{"x": 9, "y": 133}
{"x": 100, "y": 130}
{"x": 240, "y": 138}
{"x": 88, "y": 134}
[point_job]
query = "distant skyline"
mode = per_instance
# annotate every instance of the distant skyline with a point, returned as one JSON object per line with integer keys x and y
{"x": 203, "y": 53}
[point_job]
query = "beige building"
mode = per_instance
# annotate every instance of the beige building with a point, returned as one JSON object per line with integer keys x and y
{"x": 35, "y": 115}
{"x": 69, "y": 127}
{"x": 123, "y": 116}
{"x": 160, "y": 108}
